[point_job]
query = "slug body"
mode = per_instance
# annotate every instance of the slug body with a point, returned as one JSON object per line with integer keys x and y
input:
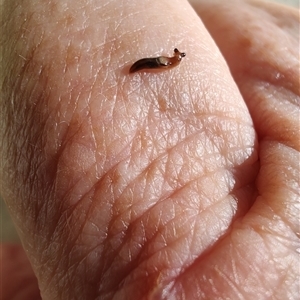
{"x": 161, "y": 62}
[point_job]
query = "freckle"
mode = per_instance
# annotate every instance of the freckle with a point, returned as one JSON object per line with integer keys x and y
{"x": 69, "y": 19}
{"x": 162, "y": 104}
{"x": 245, "y": 43}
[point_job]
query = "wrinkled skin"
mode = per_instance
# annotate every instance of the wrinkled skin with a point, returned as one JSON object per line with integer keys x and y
{"x": 181, "y": 184}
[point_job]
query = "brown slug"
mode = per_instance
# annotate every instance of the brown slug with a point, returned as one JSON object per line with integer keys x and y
{"x": 161, "y": 62}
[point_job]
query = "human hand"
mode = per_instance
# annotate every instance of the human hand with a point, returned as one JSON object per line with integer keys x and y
{"x": 153, "y": 185}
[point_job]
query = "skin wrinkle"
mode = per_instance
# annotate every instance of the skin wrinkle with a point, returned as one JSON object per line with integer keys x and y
{"x": 149, "y": 241}
{"x": 255, "y": 269}
{"x": 219, "y": 271}
{"x": 169, "y": 245}
{"x": 131, "y": 263}
{"x": 32, "y": 160}
{"x": 69, "y": 267}
{"x": 260, "y": 231}
{"x": 272, "y": 66}
{"x": 128, "y": 185}
{"x": 122, "y": 172}
{"x": 234, "y": 286}
{"x": 268, "y": 170}
{"x": 68, "y": 196}
{"x": 284, "y": 135}
{"x": 273, "y": 79}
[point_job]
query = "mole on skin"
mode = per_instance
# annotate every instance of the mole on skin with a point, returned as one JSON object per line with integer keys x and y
{"x": 161, "y": 62}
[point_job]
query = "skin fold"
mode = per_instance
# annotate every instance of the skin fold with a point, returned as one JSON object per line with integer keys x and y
{"x": 177, "y": 184}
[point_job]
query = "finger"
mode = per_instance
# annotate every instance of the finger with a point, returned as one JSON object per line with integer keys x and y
{"x": 265, "y": 65}
{"x": 267, "y": 238}
{"x": 263, "y": 54}
{"x": 119, "y": 172}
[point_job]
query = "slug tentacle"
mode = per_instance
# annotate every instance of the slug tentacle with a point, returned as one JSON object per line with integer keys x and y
{"x": 161, "y": 62}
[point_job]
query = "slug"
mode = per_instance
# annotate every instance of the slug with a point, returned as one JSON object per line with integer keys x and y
{"x": 161, "y": 62}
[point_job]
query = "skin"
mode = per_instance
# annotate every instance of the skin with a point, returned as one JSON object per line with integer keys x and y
{"x": 174, "y": 185}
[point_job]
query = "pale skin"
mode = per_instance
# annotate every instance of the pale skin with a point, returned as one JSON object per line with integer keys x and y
{"x": 168, "y": 185}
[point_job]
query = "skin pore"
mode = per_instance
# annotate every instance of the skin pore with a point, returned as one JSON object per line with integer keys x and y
{"x": 180, "y": 184}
